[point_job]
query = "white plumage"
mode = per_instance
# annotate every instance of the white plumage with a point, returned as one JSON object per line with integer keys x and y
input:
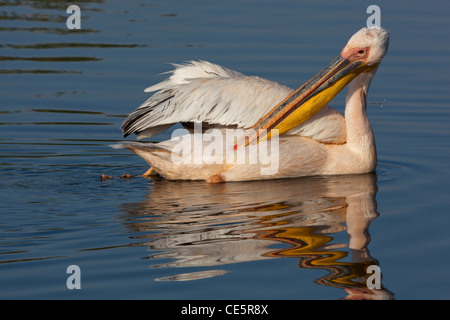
{"x": 324, "y": 144}
{"x": 200, "y": 91}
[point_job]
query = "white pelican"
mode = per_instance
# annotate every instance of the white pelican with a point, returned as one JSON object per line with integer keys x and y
{"x": 315, "y": 139}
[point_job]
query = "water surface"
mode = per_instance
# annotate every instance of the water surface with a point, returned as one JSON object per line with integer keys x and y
{"x": 64, "y": 94}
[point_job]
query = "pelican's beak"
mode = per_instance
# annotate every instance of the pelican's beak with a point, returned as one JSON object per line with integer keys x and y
{"x": 306, "y": 101}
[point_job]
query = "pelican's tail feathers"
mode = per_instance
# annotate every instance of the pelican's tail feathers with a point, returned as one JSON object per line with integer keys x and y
{"x": 143, "y": 146}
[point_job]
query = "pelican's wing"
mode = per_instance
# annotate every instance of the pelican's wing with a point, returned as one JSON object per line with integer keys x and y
{"x": 207, "y": 93}
{"x": 200, "y": 91}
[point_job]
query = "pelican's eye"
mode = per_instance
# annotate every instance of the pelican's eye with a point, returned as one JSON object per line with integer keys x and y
{"x": 361, "y": 53}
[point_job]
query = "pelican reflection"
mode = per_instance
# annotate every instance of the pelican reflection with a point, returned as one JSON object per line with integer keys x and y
{"x": 192, "y": 224}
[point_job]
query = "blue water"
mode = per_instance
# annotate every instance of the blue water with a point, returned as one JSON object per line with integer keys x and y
{"x": 64, "y": 94}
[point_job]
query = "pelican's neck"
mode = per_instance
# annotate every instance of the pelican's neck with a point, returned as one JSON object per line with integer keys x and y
{"x": 359, "y": 132}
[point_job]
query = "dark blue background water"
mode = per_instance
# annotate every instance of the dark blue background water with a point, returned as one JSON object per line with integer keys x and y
{"x": 64, "y": 94}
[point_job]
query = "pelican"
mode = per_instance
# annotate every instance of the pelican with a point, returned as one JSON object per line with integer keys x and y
{"x": 312, "y": 138}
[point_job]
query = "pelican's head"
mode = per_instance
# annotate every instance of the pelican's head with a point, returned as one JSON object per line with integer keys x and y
{"x": 367, "y": 45}
{"x": 363, "y": 53}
